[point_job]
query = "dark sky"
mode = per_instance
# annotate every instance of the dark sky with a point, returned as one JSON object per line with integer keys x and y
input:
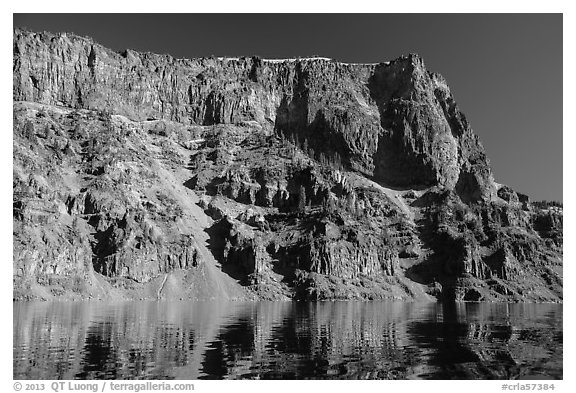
{"x": 505, "y": 70}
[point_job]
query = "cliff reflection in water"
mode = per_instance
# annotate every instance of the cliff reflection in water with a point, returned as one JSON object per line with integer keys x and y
{"x": 183, "y": 340}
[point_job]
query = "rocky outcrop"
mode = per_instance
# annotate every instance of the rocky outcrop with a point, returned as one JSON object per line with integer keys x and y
{"x": 394, "y": 121}
{"x": 97, "y": 208}
{"x": 304, "y": 178}
{"x": 427, "y": 140}
{"x": 488, "y": 250}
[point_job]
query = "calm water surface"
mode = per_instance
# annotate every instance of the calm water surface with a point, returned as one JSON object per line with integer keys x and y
{"x": 271, "y": 340}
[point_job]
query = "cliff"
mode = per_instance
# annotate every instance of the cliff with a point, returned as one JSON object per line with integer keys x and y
{"x": 143, "y": 176}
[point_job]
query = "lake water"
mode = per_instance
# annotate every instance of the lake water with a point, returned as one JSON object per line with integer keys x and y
{"x": 286, "y": 340}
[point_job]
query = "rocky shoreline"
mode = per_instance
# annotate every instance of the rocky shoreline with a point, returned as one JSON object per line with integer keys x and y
{"x": 141, "y": 176}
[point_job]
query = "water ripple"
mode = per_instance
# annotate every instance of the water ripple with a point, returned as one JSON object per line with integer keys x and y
{"x": 284, "y": 340}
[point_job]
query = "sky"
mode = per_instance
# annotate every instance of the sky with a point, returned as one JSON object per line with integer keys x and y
{"x": 504, "y": 70}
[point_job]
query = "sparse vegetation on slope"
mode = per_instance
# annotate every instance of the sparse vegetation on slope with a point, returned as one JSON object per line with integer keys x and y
{"x": 142, "y": 176}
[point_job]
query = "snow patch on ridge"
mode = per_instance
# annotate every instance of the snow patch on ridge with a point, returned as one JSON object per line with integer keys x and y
{"x": 301, "y": 58}
{"x": 291, "y": 60}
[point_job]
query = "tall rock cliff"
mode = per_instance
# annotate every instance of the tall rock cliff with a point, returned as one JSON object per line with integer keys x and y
{"x": 141, "y": 175}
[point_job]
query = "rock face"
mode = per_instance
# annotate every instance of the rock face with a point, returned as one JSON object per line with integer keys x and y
{"x": 141, "y": 175}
